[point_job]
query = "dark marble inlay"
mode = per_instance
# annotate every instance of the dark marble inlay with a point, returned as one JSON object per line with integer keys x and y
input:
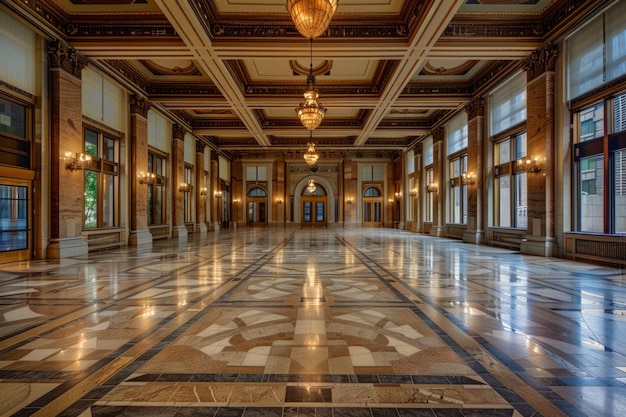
{"x": 308, "y": 394}
{"x": 305, "y": 378}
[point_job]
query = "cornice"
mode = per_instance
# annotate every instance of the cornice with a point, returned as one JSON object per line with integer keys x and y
{"x": 185, "y": 89}
{"x": 129, "y": 73}
{"x": 493, "y": 30}
{"x": 217, "y": 124}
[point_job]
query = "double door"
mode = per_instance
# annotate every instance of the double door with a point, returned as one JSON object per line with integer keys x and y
{"x": 314, "y": 211}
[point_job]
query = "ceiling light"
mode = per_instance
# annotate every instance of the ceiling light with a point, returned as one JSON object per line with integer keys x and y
{"x": 311, "y": 17}
{"x": 311, "y": 113}
{"x": 311, "y": 188}
{"x": 310, "y": 156}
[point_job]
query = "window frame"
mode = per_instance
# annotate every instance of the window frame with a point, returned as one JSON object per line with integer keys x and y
{"x": 605, "y": 146}
{"x": 104, "y": 169}
{"x": 511, "y": 169}
{"x": 159, "y": 183}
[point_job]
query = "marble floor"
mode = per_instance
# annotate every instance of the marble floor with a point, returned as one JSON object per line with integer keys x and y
{"x": 317, "y": 323}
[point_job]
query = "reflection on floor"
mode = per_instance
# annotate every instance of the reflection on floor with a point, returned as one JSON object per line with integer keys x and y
{"x": 333, "y": 323}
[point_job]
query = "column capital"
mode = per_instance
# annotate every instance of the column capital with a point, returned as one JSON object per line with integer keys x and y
{"x": 438, "y": 134}
{"x": 540, "y": 61}
{"x": 475, "y": 108}
{"x": 65, "y": 57}
{"x": 178, "y": 131}
{"x": 200, "y": 146}
{"x": 139, "y": 105}
{"x": 418, "y": 148}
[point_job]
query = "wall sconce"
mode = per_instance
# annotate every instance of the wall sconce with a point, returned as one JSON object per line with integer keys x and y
{"x": 349, "y": 200}
{"x": 279, "y": 201}
{"x": 432, "y": 187}
{"x": 235, "y": 200}
{"x": 413, "y": 192}
{"x": 203, "y": 190}
{"x": 217, "y": 193}
{"x": 146, "y": 178}
{"x": 468, "y": 178}
{"x": 184, "y": 187}
{"x": 80, "y": 161}
{"x": 530, "y": 164}
{"x": 397, "y": 194}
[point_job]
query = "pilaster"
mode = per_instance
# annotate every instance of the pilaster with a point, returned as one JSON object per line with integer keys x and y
{"x": 438, "y": 228}
{"x": 179, "y": 230}
{"x": 540, "y": 236}
{"x": 139, "y": 233}
{"x": 475, "y": 131}
{"x": 66, "y": 136}
{"x": 200, "y": 190}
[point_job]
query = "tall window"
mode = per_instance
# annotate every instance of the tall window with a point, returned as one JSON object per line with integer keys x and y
{"x": 430, "y": 195}
{"x": 507, "y": 115}
{"x": 510, "y": 208}
{"x": 156, "y": 190}
{"x": 597, "y": 52}
{"x": 101, "y": 180}
{"x": 429, "y": 176}
{"x": 600, "y": 160}
{"x": 13, "y": 217}
{"x": 458, "y": 190}
{"x": 14, "y": 134}
{"x": 456, "y": 135}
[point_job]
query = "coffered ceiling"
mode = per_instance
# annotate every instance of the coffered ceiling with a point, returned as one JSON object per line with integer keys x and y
{"x": 233, "y": 71}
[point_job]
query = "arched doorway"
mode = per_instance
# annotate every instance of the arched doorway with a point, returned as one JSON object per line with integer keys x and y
{"x": 257, "y": 206}
{"x": 314, "y": 205}
{"x": 372, "y": 207}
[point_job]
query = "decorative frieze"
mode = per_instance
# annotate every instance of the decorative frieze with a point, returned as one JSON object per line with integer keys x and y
{"x": 67, "y": 58}
{"x": 494, "y": 30}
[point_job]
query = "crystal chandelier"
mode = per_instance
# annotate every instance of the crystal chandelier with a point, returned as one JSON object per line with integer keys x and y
{"x": 311, "y": 17}
{"x": 310, "y": 156}
{"x": 311, "y": 113}
{"x": 311, "y": 188}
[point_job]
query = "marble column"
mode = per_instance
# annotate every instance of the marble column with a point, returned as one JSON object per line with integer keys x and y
{"x": 139, "y": 232}
{"x": 237, "y": 193}
{"x": 179, "y": 230}
{"x": 418, "y": 212}
{"x": 200, "y": 190}
{"x": 540, "y": 236}
{"x": 66, "y": 136}
{"x": 475, "y": 137}
{"x": 214, "y": 189}
{"x": 352, "y": 193}
{"x": 438, "y": 227}
{"x": 278, "y": 191}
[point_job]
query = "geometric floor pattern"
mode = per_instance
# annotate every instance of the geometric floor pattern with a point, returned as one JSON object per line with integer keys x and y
{"x": 312, "y": 322}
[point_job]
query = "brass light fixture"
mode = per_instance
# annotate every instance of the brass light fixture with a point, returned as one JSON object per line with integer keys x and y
{"x": 311, "y": 113}
{"x": 310, "y": 156}
{"x": 311, "y": 188}
{"x": 311, "y": 17}
{"x": 78, "y": 162}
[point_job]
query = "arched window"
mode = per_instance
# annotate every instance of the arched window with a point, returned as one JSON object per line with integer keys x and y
{"x": 371, "y": 192}
{"x": 257, "y": 192}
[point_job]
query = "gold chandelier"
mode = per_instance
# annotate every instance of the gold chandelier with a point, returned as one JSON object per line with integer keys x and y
{"x": 310, "y": 156}
{"x": 311, "y": 17}
{"x": 311, "y": 113}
